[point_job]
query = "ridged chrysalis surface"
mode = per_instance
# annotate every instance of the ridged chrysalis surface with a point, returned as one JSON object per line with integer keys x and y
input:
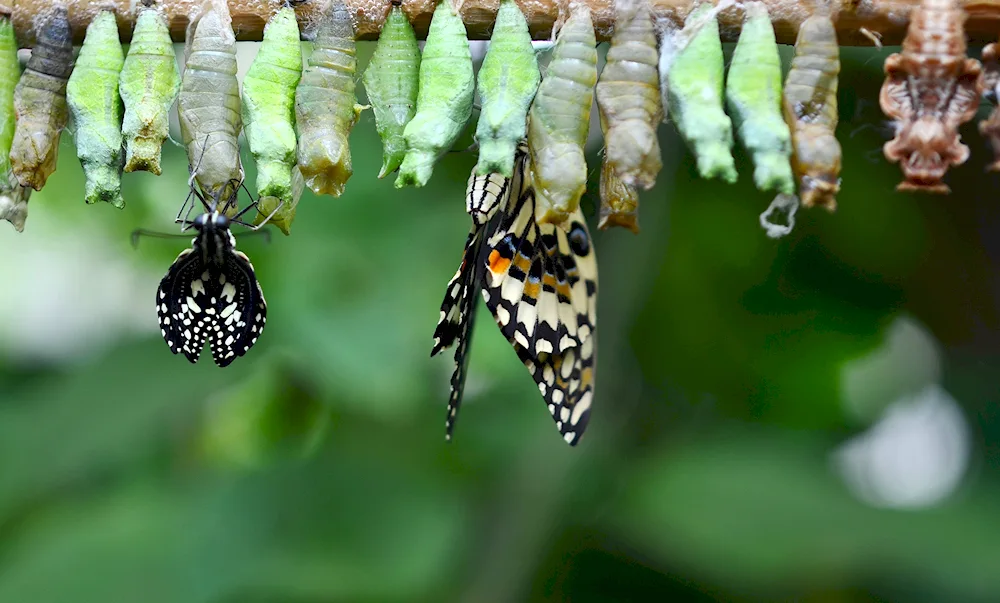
{"x": 559, "y": 120}
{"x": 695, "y": 93}
{"x": 149, "y": 84}
{"x": 444, "y": 101}
{"x": 209, "y": 103}
{"x": 326, "y": 106}
{"x": 94, "y": 102}
{"x": 628, "y": 96}
{"x": 13, "y": 196}
{"x": 507, "y": 83}
{"x": 753, "y": 96}
{"x": 810, "y": 108}
{"x": 930, "y": 89}
{"x": 268, "y": 107}
{"x": 40, "y": 101}
{"x": 391, "y": 82}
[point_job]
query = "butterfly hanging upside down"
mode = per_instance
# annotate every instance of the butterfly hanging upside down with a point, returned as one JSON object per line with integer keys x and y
{"x": 539, "y": 282}
{"x": 210, "y": 293}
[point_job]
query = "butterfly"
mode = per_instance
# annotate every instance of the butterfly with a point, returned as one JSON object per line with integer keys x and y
{"x": 539, "y": 282}
{"x": 210, "y": 293}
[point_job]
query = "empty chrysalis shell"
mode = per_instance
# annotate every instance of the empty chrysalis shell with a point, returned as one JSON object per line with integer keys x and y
{"x": 40, "y": 101}
{"x": 13, "y": 196}
{"x": 209, "y": 104}
{"x": 753, "y": 95}
{"x": 695, "y": 93}
{"x": 444, "y": 101}
{"x": 269, "y": 106}
{"x": 149, "y": 84}
{"x": 559, "y": 119}
{"x": 619, "y": 201}
{"x": 507, "y": 83}
{"x": 326, "y": 106}
{"x": 391, "y": 82}
{"x": 810, "y": 108}
{"x": 628, "y": 96}
{"x": 92, "y": 94}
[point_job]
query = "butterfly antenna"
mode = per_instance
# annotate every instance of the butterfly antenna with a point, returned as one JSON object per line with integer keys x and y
{"x": 142, "y": 232}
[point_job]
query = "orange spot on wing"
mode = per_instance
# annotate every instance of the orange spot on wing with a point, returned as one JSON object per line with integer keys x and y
{"x": 523, "y": 263}
{"x": 498, "y": 263}
{"x": 532, "y": 290}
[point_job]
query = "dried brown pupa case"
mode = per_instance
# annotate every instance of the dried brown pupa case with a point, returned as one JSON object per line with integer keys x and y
{"x": 990, "y": 128}
{"x": 930, "y": 89}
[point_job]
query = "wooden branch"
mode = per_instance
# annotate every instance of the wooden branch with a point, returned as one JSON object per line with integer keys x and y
{"x": 887, "y": 18}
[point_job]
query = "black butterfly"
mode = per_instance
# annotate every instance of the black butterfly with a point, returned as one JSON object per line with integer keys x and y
{"x": 210, "y": 293}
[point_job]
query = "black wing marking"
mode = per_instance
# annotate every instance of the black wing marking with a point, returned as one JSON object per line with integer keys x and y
{"x": 180, "y": 305}
{"x": 566, "y": 382}
{"x": 240, "y": 311}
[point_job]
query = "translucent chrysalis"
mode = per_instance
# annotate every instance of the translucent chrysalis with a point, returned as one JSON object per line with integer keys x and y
{"x": 208, "y": 104}
{"x": 269, "y": 106}
{"x": 810, "y": 108}
{"x": 40, "y": 101}
{"x": 619, "y": 201}
{"x": 628, "y": 96}
{"x": 391, "y": 81}
{"x": 13, "y": 196}
{"x": 695, "y": 93}
{"x": 92, "y": 95}
{"x": 444, "y": 100}
{"x": 149, "y": 84}
{"x": 326, "y": 106}
{"x": 753, "y": 96}
{"x": 507, "y": 83}
{"x": 559, "y": 120}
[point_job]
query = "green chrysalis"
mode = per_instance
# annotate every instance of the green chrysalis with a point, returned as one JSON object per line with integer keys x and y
{"x": 444, "y": 101}
{"x": 149, "y": 84}
{"x": 92, "y": 95}
{"x": 507, "y": 84}
{"x": 281, "y": 211}
{"x": 391, "y": 82}
{"x": 753, "y": 96}
{"x": 628, "y": 96}
{"x": 326, "y": 106}
{"x": 269, "y": 107}
{"x": 13, "y": 197}
{"x": 695, "y": 92}
{"x": 40, "y": 102}
{"x": 560, "y": 118}
{"x": 208, "y": 104}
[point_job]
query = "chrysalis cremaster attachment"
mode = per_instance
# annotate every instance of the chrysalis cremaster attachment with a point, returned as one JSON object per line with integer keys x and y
{"x": 753, "y": 95}
{"x": 628, "y": 96}
{"x": 209, "y": 104}
{"x": 13, "y": 196}
{"x": 507, "y": 83}
{"x": 92, "y": 94}
{"x": 326, "y": 106}
{"x": 444, "y": 101}
{"x": 149, "y": 84}
{"x": 695, "y": 92}
{"x": 269, "y": 113}
{"x": 40, "y": 102}
{"x": 810, "y": 107}
{"x": 930, "y": 89}
{"x": 391, "y": 82}
{"x": 559, "y": 120}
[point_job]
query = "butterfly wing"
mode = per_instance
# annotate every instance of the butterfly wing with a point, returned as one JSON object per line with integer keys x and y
{"x": 238, "y": 309}
{"x": 566, "y": 382}
{"x": 182, "y": 304}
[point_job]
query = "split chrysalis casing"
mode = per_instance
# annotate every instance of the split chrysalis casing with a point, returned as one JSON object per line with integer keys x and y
{"x": 619, "y": 201}
{"x": 13, "y": 196}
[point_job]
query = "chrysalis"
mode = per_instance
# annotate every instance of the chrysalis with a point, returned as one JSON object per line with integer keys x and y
{"x": 149, "y": 84}
{"x": 990, "y": 128}
{"x": 628, "y": 96}
{"x": 92, "y": 95}
{"x": 559, "y": 120}
{"x": 444, "y": 101}
{"x": 391, "y": 82}
{"x": 326, "y": 107}
{"x": 507, "y": 83}
{"x": 40, "y": 102}
{"x": 810, "y": 107}
{"x": 619, "y": 201}
{"x": 930, "y": 89}
{"x": 695, "y": 93}
{"x": 269, "y": 107}
{"x": 753, "y": 96}
{"x": 668, "y": 39}
{"x": 209, "y": 103}
{"x": 13, "y": 197}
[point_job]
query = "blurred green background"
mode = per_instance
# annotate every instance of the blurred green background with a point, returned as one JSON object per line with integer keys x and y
{"x": 811, "y": 419}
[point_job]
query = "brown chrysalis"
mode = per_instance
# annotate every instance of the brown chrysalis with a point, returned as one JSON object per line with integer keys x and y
{"x": 990, "y": 128}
